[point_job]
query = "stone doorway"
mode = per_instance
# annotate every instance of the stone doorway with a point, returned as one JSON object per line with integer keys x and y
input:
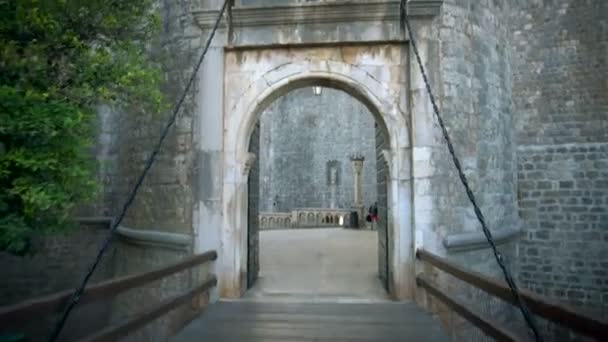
{"x": 374, "y": 75}
{"x": 313, "y": 176}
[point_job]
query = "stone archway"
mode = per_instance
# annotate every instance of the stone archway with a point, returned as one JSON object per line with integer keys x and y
{"x": 375, "y": 75}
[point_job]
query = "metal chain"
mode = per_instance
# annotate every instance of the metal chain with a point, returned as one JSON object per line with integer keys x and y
{"x": 405, "y": 25}
{"x": 151, "y": 159}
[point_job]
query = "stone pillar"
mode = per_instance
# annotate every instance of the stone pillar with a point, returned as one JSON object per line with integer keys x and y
{"x": 357, "y": 164}
{"x": 208, "y": 137}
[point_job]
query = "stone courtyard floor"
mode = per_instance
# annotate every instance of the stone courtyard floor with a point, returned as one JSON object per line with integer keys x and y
{"x": 318, "y": 265}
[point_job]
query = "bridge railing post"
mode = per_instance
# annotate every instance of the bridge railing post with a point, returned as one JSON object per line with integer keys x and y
{"x": 423, "y": 298}
{"x": 199, "y": 274}
{"x": 428, "y": 302}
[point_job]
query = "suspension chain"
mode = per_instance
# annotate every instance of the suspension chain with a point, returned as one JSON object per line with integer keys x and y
{"x": 78, "y": 292}
{"x": 405, "y": 25}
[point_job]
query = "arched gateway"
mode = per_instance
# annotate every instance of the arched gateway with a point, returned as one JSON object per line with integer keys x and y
{"x": 375, "y": 75}
{"x": 264, "y": 52}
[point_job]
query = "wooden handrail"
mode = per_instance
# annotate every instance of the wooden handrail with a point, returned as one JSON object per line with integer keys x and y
{"x": 490, "y": 327}
{"x": 115, "y": 332}
{"x": 10, "y": 316}
{"x": 541, "y": 306}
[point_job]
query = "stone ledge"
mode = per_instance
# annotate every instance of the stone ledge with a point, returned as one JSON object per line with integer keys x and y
{"x": 468, "y": 241}
{"x": 317, "y": 13}
{"x": 155, "y": 238}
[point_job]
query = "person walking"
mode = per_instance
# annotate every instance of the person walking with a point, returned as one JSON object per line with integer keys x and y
{"x": 373, "y": 215}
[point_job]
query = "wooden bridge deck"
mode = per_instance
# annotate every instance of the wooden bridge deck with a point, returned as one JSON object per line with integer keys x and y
{"x": 265, "y": 321}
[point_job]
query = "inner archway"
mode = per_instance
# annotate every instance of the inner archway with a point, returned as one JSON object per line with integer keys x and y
{"x": 263, "y": 76}
{"x": 313, "y": 200}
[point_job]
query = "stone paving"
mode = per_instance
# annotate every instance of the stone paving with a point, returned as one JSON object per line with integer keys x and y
{"x": 318, "y": 265}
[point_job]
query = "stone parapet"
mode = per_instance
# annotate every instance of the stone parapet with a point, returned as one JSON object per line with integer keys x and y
{"x": 269, "y": 221}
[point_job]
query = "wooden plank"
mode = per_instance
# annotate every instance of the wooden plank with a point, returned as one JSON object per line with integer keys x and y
{"x": 387, "y": 311}
{"x": 542, "y": 306}
{"x": 115, "y": 332}
{"x": 11, "y": 316}
{"x": 487, "y": 325}
{"x": 286, "y": 322}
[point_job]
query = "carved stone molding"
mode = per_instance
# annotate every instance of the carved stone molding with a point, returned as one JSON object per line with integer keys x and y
{"x": 248, "y": 163}
{"x": 357, "y": 165}
{"x": 388, "y": 158}
{"x": 323, "y": 12}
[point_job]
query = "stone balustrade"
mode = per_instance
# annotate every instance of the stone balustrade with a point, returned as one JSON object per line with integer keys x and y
{"x": 320, "y": 217}
{"x": 305, "y": 218}
{"x": 275, "y": 221}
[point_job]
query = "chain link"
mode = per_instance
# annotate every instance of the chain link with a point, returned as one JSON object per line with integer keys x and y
{"x": 405, "y": 25}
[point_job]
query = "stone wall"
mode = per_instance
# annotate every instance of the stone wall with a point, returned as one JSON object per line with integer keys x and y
{"x": 165, "y": 200}
{"x": 564, "y": 253}
{"x": 474, "y": 87}
{"x": 106, "y": 154}
{"x": 58, "y": 263}
{"x": 469, "y": 42}
{"x": 302, "y": 137}
{"x": 144, "y": 258}
{"x": 125, "y": 139}
{"x": 560, "y": 66}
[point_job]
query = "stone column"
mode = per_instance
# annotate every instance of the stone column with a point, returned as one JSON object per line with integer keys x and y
{"x": 357, "y": 164}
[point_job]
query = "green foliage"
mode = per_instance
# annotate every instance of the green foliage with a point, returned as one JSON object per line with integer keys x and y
{"x": 59, "y": 59}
